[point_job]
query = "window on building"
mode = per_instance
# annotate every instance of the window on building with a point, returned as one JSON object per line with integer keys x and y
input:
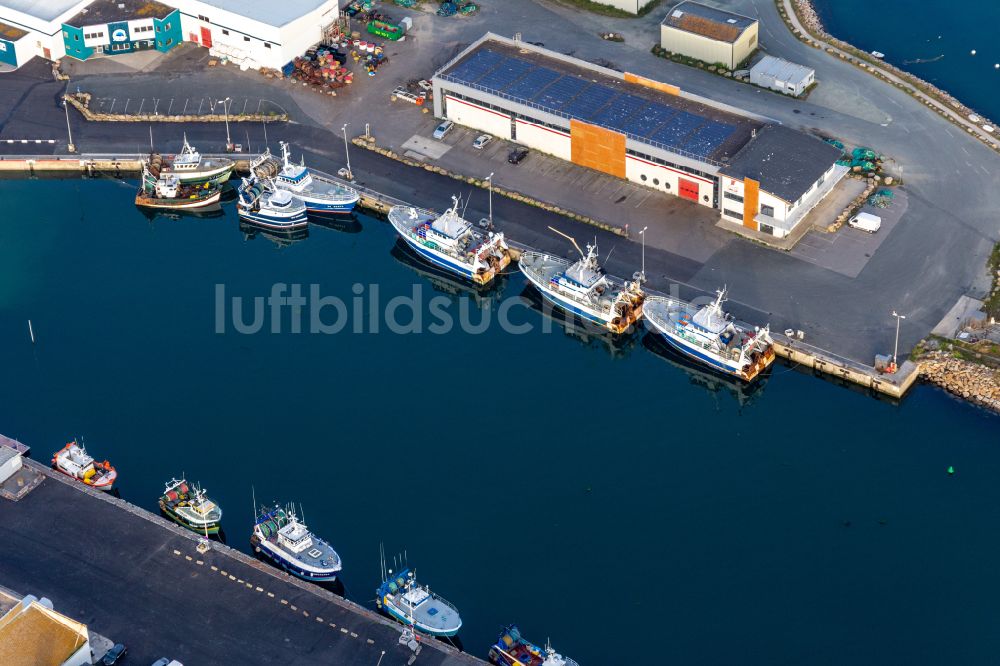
{"x": 733, "y": 197}
{"x": 767, "y": 210}
{"x": 732, "y": 213}
{"x": 225, "y": 32}
{"x": 203, "y": 18}
{"x": 246, "y": 39}
{"x": 656, "y": 181}
{"x": 753, "y": 41}
{"x": 65, "y": 35}
{"x": 821, "y": 179}
{"x": 767, "y": 229}
{"x": 159, "y": 28}
{"x": 170, "y": 41}
{"x": 666, "y": 185}
{"x": 705, "y": 198}
{"x": 266, "y": 45}
{"x": 76, "y": 38}
{"x": 166, "y": 27}
{"x": 643, "y": 178}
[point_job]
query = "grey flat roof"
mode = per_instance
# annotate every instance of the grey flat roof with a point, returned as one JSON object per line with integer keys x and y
{"x": 46, "y": 10}
{"x": 782, "y": 70}
{"x": 270, "y": 12}
{"x": 108, "y": 11}
{"x": 784, "y": 161}
{"x": 570, "y": 88}
{"x": 708, "y": 21}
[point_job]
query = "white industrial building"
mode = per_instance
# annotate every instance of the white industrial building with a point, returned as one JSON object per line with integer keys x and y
{"x": 41, "y": 25}
{"x": 10, "y": 462}
{"x": 782, "y": 75}
{"x": 709, "y": 34}
{"x": 632, "y": 127}
{"x": 256, "y": 33}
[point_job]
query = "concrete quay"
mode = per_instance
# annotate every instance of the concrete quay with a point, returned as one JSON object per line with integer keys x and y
{"x": 136, "y": 577}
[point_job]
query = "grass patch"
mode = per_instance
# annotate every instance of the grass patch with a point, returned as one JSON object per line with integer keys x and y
{"x": 992, "y": 303}
{"x": 608, "y": 10}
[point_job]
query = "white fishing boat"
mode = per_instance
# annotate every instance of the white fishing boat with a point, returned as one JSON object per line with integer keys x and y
{"x": 582, "y": 288}
{"x": 319, "y": 194}
{"x": 281, "y": 537}
{"x": 414, "y": 605}
{"x": 191, "y": 167}
{"x": 711, "y": 336}
{"x": 450, "y": 241}
{"x": 260, "y": 203}
{"x": 74, "y": 461}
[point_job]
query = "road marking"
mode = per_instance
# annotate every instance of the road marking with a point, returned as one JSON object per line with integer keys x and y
{"x": 332, "y": 625}
{"x": 223, "y": 573}
{"x": 250, "y": 585}
{"x": 240, "y": 581}
{"x": 371, "y": 642}
{"x": 259, "y": 588}
{"x": 177, "y": 552}
{"x": 271, "y": 594}
{"x": 231, "y": 577}
{"x": 294, "y": 607}
{"x": 215, "y": 568}
{"x": 343, "y": 630}
{"x": 188, "y": 558}
{"x": 199, "y": 562}
{"x": 353, "y": 635}
{"x": 284, "y": 601}
{"x": 319, "y": 619}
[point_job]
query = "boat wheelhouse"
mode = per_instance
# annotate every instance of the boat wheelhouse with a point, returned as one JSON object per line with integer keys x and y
{"x": 711, "y": 336}
{"x": 190, "y": 507}
{"x": 511, "y": 649}
{"x": 258, "y": 202}
{"x": 282, "y": 538}
{"x": 191, "y": 167}
{"x": 451, "y": 242}
{"x": 583, "y": 289}
{"x": 318, "y": 193}
{"x": 414, "y": 605}
{"x": 74, "y": 461}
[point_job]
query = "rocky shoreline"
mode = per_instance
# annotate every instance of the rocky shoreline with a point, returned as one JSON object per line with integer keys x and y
{"x": 810, "y": 20}
{"x": 970, "y": 381}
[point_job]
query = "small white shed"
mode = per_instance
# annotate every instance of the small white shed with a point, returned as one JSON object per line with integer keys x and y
{"x": 10, "y": 462}
{"x": 782, "y": 75}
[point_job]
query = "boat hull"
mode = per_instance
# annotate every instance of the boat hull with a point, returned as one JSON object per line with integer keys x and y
{"x": 105, "y": 486}
{"x": 725, "y": 366}
{"x": 401, "y": 617}
{"x": 216, "y": 176}
{"x": 177, "y": 204}
{"x": 327, "y": 207}
{"x": 282, "y": 562}
{"x": 268, "y": 221}
{"x": 209, "y": 528}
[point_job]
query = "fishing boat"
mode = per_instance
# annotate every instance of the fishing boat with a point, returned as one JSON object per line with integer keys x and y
{"x": 192, "y": 168}
{"x": 414, "y": 605}
{"x": 711, "y": 336}
{"x": 286, "y": 542}
{"x": 450, "y": 241}
{"x": 511, "y": 649}
{"x": 190, "y": 507}
{"x": 260, "y": 203}
{"x": 582, "y": 288}
{"x": 165, "y": 190}
{"x": 319, "y": 194}
{"x": 74, "y": 461}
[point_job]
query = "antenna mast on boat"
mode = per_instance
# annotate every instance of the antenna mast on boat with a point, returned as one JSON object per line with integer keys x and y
{"x": 253, "y": 494}
{"x": 571, "y": 240}
{"x": 151, "y": 149}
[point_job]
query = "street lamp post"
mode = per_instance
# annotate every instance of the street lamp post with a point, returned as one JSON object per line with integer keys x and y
{"x": 489, "y": 179}
{"x": 69, "y": 132}
{"x": 895, "y": 349}
{"x": 642, "y": 275}
{"x": 225, "y": 107}
{"x": 347, "y": 153}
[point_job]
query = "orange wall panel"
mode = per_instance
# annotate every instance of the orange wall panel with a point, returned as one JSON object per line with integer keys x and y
{"x": 751, "y": 197}
{"x": 650, "y": 83}
{"x": 597, "y": 148}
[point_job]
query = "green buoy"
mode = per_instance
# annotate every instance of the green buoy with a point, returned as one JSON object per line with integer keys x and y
{"x": 951, "y": 470}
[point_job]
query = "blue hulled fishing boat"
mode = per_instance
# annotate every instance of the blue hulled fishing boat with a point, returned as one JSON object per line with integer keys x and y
{"x": 511, "y": 649}
{"x": 283, "y": 539}
{"x": 260, "y": 203}
{"x": 414, "y": 605}
{"x": 318, "y": 193}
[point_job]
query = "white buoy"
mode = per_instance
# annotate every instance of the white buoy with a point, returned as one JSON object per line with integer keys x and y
{"x": 31, "y": 332}
{"x": 973, "y": 51}
{"x": 996, "y": 66}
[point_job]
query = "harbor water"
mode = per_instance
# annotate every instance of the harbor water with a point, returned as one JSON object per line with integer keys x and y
{"x": 628, "y": 506}
{"x": 921, "y": 37}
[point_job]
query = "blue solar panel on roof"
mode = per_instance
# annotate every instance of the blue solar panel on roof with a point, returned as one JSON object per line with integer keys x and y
{"x": 673, "y": 133}
{"x": 506, "y": 73}
{"x": 561, "y": 92}
{"x": 587, "y": 105}
{"x": 617, "y": 113}
{"x": 533, "y": 82}
{"x": 708, "y": 138}
{"x": 651, "y": 117}
{"x": 475, "y": 66}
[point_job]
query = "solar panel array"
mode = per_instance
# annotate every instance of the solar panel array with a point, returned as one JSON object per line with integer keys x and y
{"x": 580, "y": 98}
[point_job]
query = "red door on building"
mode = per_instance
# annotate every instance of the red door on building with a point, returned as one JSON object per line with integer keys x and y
{"x": 206, "y": 38}
{"x": 688, "y": 189}
{"x": 193, "y": 37}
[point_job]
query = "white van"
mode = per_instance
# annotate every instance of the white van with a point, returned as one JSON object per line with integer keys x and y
{"x": 866, "y": 222}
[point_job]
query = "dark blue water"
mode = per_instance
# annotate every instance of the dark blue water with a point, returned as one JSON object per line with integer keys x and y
{"x": 630, "y": 509}
{"x": 912, "y": 32}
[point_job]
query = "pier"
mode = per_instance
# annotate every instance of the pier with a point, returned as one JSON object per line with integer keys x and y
{"x": 90, "y": 164}
{"x": 140, "y": 580}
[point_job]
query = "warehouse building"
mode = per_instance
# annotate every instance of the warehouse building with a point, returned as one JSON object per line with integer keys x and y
{"x": 32, "y": 28}
{"x": 709, "y": 34}
{"x": 256, "y": 33}
{"x": 777, "y": 178}
{"x": 111, "y": 27}
{"x": 625, "y": 125}
{"x": 782, "y": 75}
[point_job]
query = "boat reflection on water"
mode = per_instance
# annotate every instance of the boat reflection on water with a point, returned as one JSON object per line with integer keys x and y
{"x": 701, "y": 375}
{"x": 153, "y": 214}
{"x": 447, "y": 282}
{"x": 346, "y": 224}
{"x": 586, "y": 332}
{"x": 281, "y": 238}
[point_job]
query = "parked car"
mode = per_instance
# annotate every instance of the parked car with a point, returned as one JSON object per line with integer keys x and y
{"x": 112, "y": 656}
{"x": 442, "y": 130}
{"x": 425, "y": 84}
{"x": 866, "y": 222}
{"x": 481, "y": 141}
{"x": 162, "y": 661}
{"x": 517, "y": 155}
